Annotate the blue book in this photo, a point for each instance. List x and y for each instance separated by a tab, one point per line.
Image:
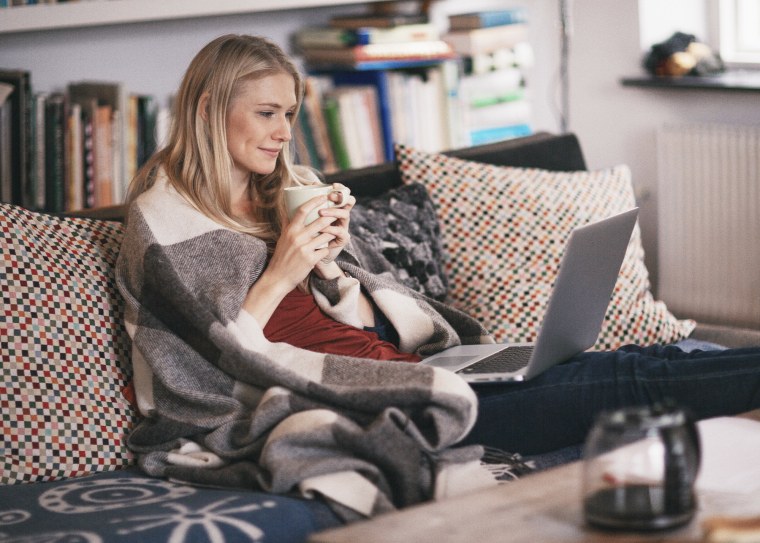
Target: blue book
486	19
490	135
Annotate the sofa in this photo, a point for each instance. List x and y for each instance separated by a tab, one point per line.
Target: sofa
65	392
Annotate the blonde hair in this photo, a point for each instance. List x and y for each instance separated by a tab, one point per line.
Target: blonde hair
196	160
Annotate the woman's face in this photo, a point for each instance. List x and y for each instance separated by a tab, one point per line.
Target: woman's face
258	124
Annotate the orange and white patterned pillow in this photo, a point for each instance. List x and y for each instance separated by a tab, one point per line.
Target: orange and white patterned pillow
504	231
64	374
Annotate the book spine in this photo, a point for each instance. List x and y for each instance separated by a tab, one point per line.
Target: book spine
147	122
313	106
398	34
486	19
74	151
379	80
103	126
332	117
6	173
325	37
38	178
54	151
306	152
486	40
88	157
490	135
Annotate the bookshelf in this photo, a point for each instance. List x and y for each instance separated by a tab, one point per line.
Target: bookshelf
46	17
116	42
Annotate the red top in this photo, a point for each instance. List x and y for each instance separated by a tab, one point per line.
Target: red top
298	321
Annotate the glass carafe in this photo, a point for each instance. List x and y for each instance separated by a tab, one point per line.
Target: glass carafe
640	465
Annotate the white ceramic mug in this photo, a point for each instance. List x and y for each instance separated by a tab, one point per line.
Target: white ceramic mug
295	197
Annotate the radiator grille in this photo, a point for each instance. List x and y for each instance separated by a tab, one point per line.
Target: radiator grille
709	221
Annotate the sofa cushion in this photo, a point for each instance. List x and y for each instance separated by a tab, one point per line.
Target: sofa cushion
399	232
504	230
65	352
127	505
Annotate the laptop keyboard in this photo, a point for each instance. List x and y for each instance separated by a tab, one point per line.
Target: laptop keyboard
505	361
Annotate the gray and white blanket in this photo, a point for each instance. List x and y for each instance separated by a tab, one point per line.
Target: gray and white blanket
224	406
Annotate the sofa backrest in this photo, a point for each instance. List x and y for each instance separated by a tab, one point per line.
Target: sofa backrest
541	150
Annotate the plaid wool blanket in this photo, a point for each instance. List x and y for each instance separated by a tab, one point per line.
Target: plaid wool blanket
223	406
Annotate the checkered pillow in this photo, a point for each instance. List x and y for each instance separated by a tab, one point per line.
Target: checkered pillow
65	362
505	229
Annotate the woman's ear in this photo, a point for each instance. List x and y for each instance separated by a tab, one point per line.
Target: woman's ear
203	106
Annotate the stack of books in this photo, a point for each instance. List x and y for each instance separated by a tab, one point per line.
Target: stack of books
376	80
371	42
74	149
351	119
495	51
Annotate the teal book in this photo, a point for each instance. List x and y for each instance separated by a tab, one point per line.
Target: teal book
486	19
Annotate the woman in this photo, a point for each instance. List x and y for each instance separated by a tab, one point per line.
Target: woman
248	331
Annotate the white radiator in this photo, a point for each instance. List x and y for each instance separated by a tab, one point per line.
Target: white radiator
709	222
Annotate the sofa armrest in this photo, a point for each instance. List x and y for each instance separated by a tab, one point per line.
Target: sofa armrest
728	336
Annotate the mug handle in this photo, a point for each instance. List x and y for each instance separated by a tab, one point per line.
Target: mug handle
344	192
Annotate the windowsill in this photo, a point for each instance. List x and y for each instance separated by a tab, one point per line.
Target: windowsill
732	80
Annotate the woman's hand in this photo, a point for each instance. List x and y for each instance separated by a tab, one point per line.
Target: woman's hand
339	228
298	250
301	246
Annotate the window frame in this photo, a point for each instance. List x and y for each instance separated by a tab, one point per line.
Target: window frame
738	46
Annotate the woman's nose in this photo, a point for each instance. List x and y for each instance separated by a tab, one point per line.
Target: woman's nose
284	130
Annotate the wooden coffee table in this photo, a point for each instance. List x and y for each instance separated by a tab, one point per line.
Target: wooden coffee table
542	507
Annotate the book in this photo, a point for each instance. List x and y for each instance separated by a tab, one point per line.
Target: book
55	152
37	177
21	135
132	130
103	126
306	152
111	95
492	87
500	114
379	80
359	124
488	18
486	40
335	131
87	107
326	37
147	129
75	159
377	20
387	52
314	88
6	149
499	133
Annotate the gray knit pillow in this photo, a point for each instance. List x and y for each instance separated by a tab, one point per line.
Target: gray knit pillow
399	232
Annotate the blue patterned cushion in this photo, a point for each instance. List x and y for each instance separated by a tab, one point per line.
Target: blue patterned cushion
129	506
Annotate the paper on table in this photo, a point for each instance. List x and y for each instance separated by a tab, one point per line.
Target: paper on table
730	458
730	455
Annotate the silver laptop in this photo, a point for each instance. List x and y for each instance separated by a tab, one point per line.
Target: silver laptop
574	315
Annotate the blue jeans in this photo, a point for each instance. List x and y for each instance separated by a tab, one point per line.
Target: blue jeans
557	409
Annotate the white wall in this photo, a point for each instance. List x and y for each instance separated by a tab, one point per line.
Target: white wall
615	124
618	124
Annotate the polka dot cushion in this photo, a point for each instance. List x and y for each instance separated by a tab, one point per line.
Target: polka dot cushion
64	408
504	230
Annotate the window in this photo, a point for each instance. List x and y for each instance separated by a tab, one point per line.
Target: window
739	31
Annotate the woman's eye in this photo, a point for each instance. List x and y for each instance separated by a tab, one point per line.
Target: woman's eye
290	114
267	114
